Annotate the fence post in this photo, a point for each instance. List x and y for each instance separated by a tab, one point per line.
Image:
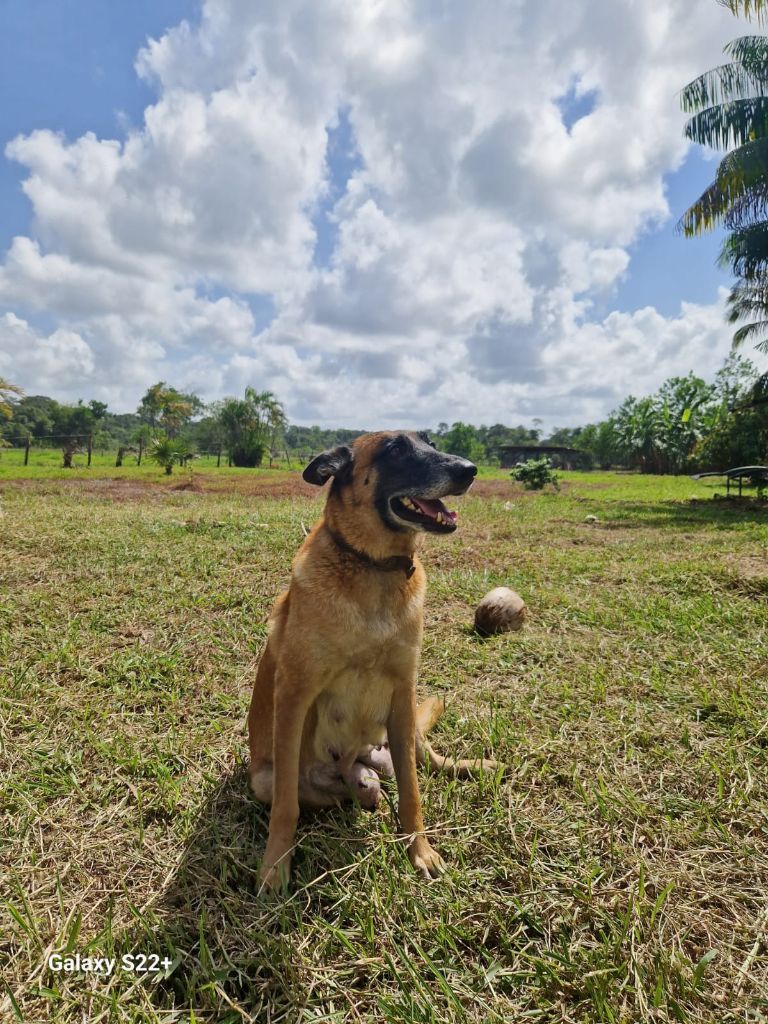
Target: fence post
141	449
218	458
26	451
90	448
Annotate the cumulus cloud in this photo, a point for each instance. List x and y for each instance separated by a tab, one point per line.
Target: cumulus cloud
25	353
470	236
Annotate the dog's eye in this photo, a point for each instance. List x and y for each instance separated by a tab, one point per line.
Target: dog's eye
398	447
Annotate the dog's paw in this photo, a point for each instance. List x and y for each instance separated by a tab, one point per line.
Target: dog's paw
275	878
426	861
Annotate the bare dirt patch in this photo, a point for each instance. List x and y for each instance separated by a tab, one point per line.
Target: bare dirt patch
110	488
282	485
751	568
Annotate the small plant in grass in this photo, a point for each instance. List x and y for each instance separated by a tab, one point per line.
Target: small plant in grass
535	474
167	452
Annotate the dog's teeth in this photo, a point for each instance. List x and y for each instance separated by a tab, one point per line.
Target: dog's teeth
439	517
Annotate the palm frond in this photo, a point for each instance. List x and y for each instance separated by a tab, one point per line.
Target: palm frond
752	332
740	79
745	252
748	300
739	174
749	207
730	124
750	49
757	9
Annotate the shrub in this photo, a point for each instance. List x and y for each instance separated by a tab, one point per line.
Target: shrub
248	455
166	452
535	474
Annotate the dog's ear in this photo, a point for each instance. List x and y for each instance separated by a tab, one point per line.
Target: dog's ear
335	462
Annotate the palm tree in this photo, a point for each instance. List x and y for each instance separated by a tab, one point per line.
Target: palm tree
167	451
729	107
7	393
250	424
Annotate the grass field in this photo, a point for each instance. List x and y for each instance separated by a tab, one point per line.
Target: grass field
618	873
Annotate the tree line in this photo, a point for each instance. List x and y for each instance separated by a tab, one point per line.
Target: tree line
169	425
689	424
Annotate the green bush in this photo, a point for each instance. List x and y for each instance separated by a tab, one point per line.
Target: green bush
167	452
535	474
248	456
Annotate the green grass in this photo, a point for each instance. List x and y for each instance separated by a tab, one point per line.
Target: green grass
618	873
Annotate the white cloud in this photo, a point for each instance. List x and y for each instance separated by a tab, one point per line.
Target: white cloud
472	238
48	360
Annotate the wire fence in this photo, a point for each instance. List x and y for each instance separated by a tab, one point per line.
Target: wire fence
82	449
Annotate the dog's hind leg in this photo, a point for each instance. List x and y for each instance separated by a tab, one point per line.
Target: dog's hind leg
427	713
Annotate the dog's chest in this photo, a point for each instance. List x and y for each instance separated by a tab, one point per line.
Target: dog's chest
379	650
352	715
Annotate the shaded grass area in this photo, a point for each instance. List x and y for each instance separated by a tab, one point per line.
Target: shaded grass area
618	873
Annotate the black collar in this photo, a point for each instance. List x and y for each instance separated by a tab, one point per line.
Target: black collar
403	563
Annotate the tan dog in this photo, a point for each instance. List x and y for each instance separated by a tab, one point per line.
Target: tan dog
335	690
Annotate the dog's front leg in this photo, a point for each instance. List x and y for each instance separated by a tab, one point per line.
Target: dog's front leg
292	702
401	729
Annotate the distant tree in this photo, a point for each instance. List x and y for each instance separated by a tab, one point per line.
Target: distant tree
32	415
99	409
567	437
601	443
8	395
462	440
176	411
142	438
636	425
683	415
164	407
737	428
151	405
72	424
735	378
493	437
207	433
249	425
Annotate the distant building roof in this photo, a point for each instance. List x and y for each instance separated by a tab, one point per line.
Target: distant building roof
540	448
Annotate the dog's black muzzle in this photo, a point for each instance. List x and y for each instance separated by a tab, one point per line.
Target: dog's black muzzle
413	477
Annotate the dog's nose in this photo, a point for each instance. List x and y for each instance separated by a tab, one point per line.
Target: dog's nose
465	470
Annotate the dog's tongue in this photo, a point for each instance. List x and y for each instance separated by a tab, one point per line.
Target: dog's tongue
433	507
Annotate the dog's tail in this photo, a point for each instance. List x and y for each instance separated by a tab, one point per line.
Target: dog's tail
427	713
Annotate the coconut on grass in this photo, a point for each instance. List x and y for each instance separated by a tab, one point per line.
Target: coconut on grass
500	611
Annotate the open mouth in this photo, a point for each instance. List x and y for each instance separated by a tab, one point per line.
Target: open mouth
429	513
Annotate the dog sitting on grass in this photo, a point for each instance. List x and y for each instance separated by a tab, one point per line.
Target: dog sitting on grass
334	700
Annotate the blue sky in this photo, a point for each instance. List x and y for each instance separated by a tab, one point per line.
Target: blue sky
298	311
70	67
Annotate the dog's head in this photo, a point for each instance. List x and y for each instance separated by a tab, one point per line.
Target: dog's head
400	475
